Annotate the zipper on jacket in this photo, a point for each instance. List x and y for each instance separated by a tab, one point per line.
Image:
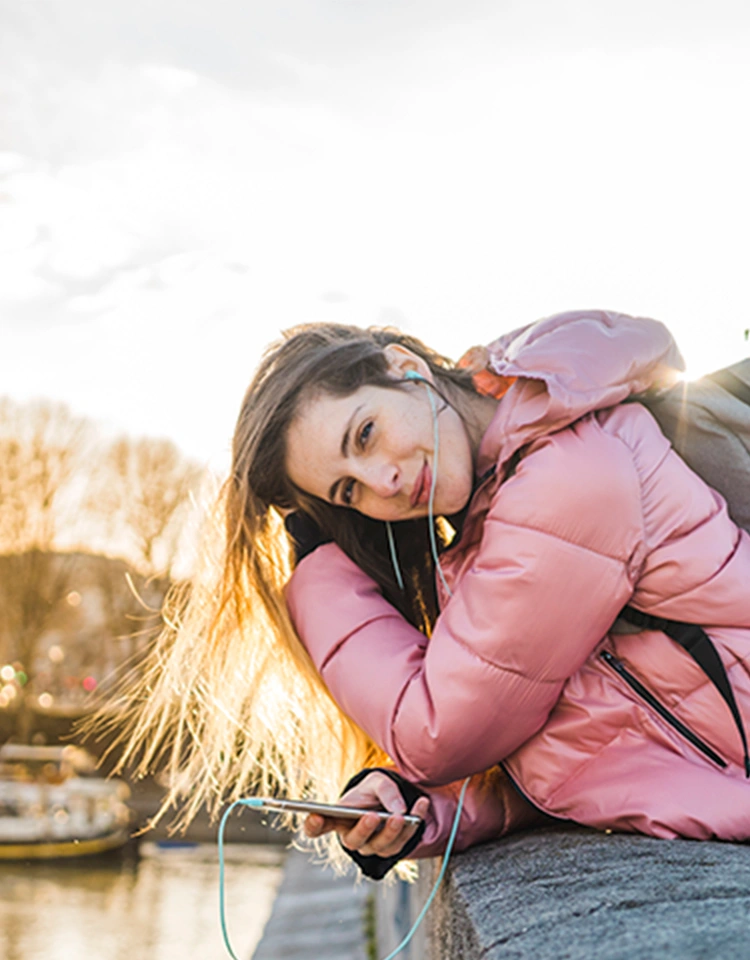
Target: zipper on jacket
659	707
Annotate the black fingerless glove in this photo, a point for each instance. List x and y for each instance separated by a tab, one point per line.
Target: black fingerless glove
305	533
373	866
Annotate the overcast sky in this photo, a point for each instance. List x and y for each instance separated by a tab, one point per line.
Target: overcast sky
181	180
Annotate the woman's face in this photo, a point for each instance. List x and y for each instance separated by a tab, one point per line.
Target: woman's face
374	451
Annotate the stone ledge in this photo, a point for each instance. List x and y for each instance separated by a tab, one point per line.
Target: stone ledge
574	894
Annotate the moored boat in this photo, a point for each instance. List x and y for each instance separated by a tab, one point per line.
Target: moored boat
53	805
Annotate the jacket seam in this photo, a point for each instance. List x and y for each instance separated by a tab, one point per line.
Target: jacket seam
548	533
399	755
334	650
657	466
499	666
705	583
635	574
459	641
584	765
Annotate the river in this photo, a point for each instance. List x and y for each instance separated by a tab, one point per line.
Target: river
163	905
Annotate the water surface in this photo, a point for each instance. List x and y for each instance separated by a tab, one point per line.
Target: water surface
162	906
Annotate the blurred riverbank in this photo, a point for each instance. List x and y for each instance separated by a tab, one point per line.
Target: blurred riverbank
245	826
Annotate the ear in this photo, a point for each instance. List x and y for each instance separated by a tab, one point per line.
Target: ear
401	360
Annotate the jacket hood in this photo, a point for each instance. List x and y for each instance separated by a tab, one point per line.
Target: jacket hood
568	365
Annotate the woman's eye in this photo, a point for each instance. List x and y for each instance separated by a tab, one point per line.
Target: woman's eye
347	487
347	490
364	433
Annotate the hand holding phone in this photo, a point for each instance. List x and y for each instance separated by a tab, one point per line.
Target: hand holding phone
383	826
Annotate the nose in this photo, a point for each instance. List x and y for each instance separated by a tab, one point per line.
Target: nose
383	479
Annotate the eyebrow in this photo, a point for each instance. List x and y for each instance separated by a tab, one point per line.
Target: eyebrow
344	451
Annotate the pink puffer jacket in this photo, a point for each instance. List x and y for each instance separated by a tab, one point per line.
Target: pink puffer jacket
522	666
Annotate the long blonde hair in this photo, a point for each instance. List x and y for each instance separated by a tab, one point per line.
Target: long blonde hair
229	701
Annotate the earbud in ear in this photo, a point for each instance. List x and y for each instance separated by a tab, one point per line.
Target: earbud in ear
413	375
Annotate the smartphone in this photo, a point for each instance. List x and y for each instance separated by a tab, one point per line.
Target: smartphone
333	810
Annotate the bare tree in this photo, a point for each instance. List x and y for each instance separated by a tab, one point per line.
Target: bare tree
63	499
145	491
41	447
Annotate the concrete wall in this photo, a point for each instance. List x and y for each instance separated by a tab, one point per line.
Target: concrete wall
570	893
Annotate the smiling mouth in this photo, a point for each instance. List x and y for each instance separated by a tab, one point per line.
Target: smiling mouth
421	492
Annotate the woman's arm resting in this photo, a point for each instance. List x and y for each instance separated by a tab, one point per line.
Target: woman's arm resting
492	808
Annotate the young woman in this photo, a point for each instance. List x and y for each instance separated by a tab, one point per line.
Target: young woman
498	655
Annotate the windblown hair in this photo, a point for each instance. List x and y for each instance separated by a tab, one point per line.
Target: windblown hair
230	702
